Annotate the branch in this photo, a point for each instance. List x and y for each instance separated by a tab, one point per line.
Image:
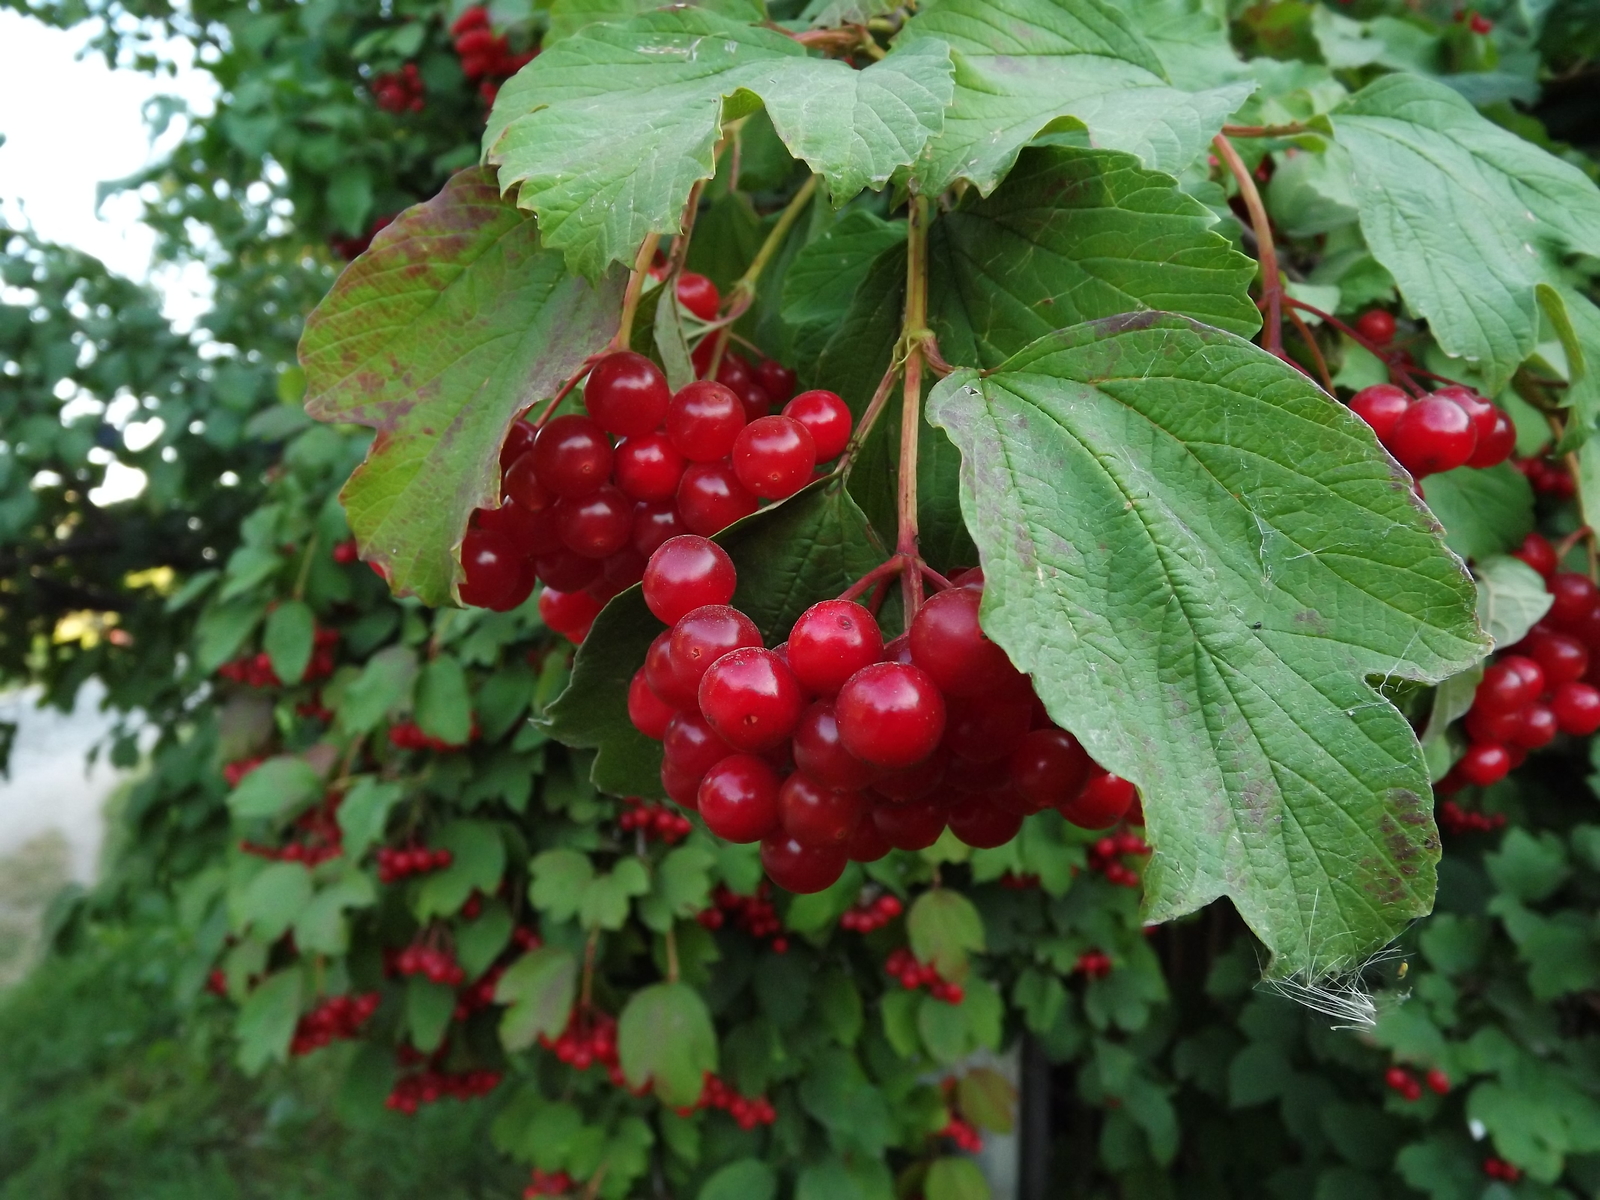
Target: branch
1266	252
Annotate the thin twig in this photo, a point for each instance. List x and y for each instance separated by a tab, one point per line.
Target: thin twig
1293	129
586	992
869	416
630	298
746	285
1266	252
672	956
572	381
913	330
1316	350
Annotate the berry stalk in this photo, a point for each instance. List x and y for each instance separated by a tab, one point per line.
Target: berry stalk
914	329
630	298
1266	251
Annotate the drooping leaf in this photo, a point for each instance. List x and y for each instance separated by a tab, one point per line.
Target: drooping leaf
322	927
267	1018
443	705
604	134
943	927
1190	37
539	988
743	1179
428	1009
364	812
480	940
821	282
1024	65
1483	511
557	880
279	787
665	1039
1429	166
287	639
1199	559
273	899
454	322
384	684
604	903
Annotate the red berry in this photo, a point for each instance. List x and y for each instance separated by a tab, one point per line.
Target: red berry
1577	708
596	525
867	843
521	483
686	573
622	570
750	697
1495	446
980	823
1487	725
493	571
572	456
1480	24
1562	658
915	825
691	745
626	394
890	714
1049	769
1509	684
519	440
648	466
1104	800
1575	596
773	457
1397	1079
830	642
1438	1081
913	782
1485	763
820	753
1377	326
656	522
1432	435
1380	406
987	728
815	815
703	421
757	403
826	417
799	868
947	643
569	572
738	798
1536	727
710	498
699	295
776	379
682	786
1475	406
704	635
648	712
568	613
663	679
1538	553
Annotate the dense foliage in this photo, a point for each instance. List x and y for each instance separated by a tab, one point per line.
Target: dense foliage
431	836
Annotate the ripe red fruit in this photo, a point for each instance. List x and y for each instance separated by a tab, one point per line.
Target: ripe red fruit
867	843
1495	446
1377	326
692	746
981	823
987	728
757	403
648	712
663	680
1438	1081
568	613
569	572
831	641
703	420
519	440
521	483
1474	405
750	697
1574	595
1049	769
648	466
802	869
815	815
776	379
820	753
1104	800
705	634
1509	684
1487	725
773	457
913	782
1432	435
596	525
915	825
621	570
1536	727
710	498
572	456
826	417
1380	406
948	643
1577	708
1562	658
1538	553
699	295
685	573
525	531
890	714
1484	763
626	394
656	522
738	798
493	571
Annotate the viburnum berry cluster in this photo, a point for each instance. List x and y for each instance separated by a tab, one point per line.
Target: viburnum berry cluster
582	512
1093	964
336	1017
401	862
1455	820
868	916
1547	476
963	1134
435	964
656	821
322	839
1106	856
256	670
548	1183
835	746
1405	1083
432	1084
747	1112
486	56
235	772
1453	427
590	1038
1498	1168
400	91
408	735
755	915
911	974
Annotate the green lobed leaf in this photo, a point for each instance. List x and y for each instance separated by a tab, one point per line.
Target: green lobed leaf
604	902
382	687
1190	37
364	812
1201	559
477	861
539	989
821	283
665	1039
605	134
267	1019
322	927
279	787
988	1099
288	638
557	880
429	1006
943	926
1428	167
272	901
480	940
743	1179
451	325
443	706
1484	511
1025	66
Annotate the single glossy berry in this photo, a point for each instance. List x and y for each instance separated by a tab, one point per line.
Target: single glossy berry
981	823
648	712
1438	1082
623	569
1562	658
757	403
691	745
1536	727
541	534
513	524
831	641
989	727
699	295
572	456
750	698
686	573
1377	326
710	498
519	440
914	782
647	466
947	643
867	843
1474	405
890	714
1432	435
777	379
1495	446
816	815
702	636
1577	708
1490	725
664	682
826	417
1103	801
566	571
799	868
493	570
1509	684
1049	768
1573	596
568	613
1538	553
626	394
773	457
682	787
596	525
655	522
820	753
521	483
704	419
1484	763
738	798
1380	406
915	825
735	371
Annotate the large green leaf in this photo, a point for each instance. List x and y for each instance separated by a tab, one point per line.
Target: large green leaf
1463	214
1202	560
454	322
665	1038
604	134
820	284
1023	65
1190	37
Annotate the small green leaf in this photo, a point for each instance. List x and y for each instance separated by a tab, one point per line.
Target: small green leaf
539	988
943	927
443	708
681	886
222	630
383	686
745	1179
480	940
604	903
321	928
477	861
279	787
1511	597
955	1179
557	880
288	639
267	1019
987	1099
1528	867
273	900
665	1038
428	1009
364	812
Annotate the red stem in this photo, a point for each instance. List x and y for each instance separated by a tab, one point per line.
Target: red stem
554	402
1266	252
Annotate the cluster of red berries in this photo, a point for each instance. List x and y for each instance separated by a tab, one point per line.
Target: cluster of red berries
255	670
1455	820
867	916
1106	856
548	1183
235	771
399	91
835	746
903	965
336	1017
486	57
400	862
322	837
477	995
1377	325
655	821
1094	964
1453	427
584	514
408	735
1398	1079
1024	882
755	915
589	1038
747	1112
349	248
428	1085
1547	477
1498	1168
439	966
964	1134
1474	21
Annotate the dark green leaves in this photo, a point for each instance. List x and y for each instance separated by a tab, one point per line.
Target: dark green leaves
1199	558
665	1039
454	322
